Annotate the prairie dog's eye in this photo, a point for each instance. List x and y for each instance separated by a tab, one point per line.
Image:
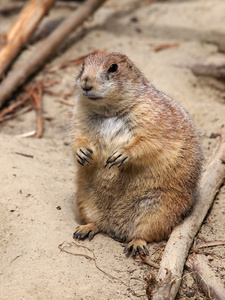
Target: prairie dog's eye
113	68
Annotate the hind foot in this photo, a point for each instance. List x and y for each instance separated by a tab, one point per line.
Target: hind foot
136	246
83	231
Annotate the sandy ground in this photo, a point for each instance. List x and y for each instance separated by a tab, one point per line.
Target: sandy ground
37	191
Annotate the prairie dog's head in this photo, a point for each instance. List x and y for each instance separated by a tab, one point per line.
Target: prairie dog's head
108	79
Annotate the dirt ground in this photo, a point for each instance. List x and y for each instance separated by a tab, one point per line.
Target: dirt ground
37	191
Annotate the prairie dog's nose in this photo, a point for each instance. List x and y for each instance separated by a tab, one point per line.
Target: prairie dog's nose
86	83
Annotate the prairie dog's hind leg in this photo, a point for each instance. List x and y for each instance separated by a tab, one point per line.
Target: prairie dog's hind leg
136	246
83	231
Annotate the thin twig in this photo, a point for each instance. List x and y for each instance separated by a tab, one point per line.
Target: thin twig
69	103
26	134
23	154
165	47
37	103
149	262
16	114
94	258
15	105
70	63
12	111
210	244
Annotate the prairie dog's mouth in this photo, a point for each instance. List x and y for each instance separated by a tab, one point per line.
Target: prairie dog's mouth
94	98
91	95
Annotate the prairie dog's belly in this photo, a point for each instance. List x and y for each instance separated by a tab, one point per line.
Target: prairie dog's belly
114	201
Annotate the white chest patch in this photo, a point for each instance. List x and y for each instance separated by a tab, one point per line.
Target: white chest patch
112	127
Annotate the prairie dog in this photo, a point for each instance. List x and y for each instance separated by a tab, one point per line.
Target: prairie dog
137	152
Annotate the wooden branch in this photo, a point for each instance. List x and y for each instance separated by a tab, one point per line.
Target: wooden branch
69	103
11	8
21	30
181	238
212	66
148	261
46	49
211	285
37	103
44	30
71	63
14	7
14	106
33	92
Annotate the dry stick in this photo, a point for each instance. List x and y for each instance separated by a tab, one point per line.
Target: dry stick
180	241
38	107
62	249
67	102
21	30
149	262
44	29
11	8
210	244
212	66
11	111
165	46
15	114
26	134
46	49
14	106
71	63
211	285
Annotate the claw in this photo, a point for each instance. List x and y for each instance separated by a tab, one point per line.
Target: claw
125	249
145	250
77	235
136	246
87	161
87	154
83	231
80	163
113	164
122	162
134	251
90	235
140	250
108	161
113	161
83	156
90	150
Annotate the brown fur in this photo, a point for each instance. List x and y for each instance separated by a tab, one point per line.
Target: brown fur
121	113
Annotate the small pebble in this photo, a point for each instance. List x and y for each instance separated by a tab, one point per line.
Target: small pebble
213	135
134	19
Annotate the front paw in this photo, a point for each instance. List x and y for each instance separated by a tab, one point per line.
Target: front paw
83	156
118	158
